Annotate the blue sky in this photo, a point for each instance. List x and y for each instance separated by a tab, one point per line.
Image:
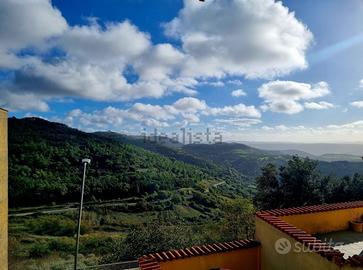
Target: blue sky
254	70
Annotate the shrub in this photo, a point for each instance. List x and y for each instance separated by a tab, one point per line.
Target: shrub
63	244
55	225
39	249
94	244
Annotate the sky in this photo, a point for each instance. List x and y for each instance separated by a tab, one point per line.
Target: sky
251	70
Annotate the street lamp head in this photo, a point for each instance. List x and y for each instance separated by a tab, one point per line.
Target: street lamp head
86	160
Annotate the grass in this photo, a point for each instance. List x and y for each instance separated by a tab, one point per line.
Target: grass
46	241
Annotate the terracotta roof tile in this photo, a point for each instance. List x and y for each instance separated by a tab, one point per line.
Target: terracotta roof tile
152	260
310	209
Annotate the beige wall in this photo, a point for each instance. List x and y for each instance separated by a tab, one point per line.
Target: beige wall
323	222
3	190
295	259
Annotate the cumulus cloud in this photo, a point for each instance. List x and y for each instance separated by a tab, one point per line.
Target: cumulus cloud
21	102
116	61
321	105
235	82
92	44
213	83
24	24
285	106
234	110
357	104
96	60
330	133
190	105
240	122
284	96
258	38
238	93
160	63
185	110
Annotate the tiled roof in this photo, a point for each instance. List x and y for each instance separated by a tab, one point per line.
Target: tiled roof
316	245
314	208
151	261
149	264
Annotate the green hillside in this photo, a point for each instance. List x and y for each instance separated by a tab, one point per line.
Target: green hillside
44	166
239	161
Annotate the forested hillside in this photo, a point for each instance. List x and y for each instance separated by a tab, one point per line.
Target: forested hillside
44	166
239	160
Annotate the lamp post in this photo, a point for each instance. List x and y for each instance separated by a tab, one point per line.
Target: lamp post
85	161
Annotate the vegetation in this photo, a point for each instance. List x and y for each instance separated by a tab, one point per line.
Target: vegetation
144	197
118	236
300	183
44	166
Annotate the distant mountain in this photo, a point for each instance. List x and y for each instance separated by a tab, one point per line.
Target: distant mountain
340	157
293	152
179	152
243	160
316	149
325	157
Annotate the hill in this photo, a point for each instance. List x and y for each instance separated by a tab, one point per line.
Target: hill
316	149
44	166
181	152
243	161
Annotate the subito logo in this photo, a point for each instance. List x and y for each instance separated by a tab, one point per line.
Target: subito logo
282	246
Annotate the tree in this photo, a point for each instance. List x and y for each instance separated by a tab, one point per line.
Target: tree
149	238
237	219
268	189
300	182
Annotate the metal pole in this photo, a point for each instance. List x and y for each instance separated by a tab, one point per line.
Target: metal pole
85	162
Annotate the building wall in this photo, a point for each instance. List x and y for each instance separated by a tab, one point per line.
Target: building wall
323	222
3	190
243	259
296	259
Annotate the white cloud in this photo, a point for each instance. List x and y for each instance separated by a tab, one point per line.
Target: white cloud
240	122
283	106
92	44
357	104
284	96
331	133
321	105
238	93
21	102
361	83
190	105
185	110
24	24
259	38
235	82
212	83
351	125
153	111
118	62
96	62
240	110
159	62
